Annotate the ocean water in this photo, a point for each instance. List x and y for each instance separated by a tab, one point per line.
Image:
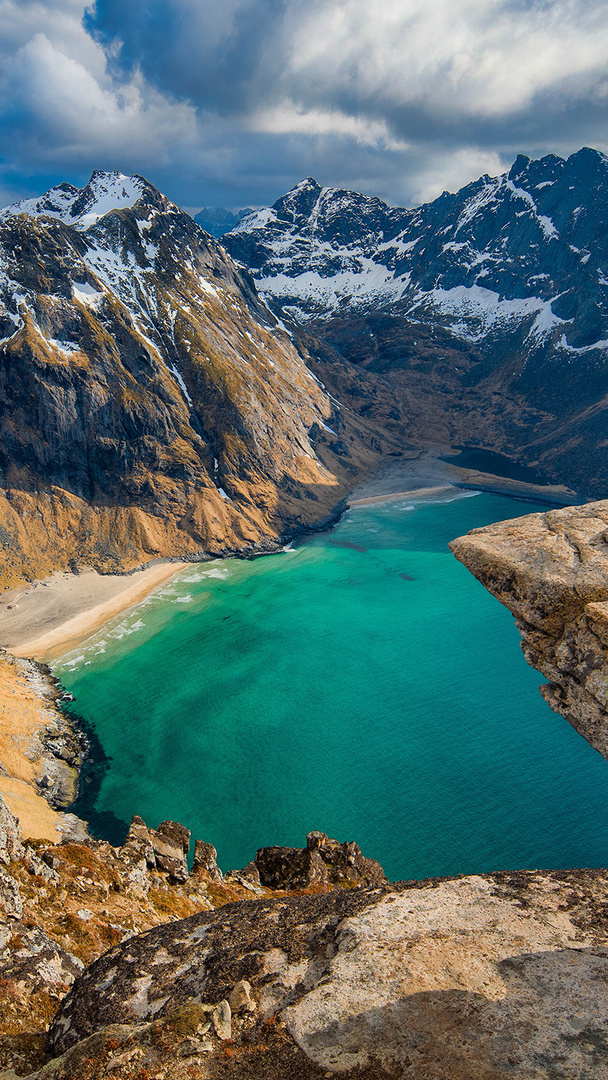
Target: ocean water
363	684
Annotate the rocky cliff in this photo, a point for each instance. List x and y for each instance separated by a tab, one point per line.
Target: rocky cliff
149	401
307	963
551	571
64	904
480	318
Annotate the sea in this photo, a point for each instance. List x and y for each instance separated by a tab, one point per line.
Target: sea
361	683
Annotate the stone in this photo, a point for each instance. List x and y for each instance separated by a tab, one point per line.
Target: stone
322	862
475	978
11	903
205	861
33	959
222	1020
241	998
175	832
169	846
11	845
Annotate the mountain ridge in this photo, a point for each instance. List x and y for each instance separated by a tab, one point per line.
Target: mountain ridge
486	310
150	403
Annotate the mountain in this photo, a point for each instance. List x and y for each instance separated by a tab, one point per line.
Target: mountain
149	401
487	310
217	221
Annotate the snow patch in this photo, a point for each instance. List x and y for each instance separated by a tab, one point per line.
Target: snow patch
87	295
545	222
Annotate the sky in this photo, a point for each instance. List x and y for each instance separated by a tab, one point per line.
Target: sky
232	102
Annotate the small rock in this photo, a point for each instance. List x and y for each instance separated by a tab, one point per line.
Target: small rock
222	1020
10	896
241	998
11	846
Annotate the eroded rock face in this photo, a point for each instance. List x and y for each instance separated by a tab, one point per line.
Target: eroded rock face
323	861
551	571
475	978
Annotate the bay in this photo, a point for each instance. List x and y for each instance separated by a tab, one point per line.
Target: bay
363	684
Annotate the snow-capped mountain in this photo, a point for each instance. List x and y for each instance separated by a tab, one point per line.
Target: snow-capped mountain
531	244
498	292
149	401
83	207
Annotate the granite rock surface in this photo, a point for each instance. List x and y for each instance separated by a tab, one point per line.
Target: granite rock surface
479	978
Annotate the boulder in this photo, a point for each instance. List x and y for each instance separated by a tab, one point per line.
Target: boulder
11	845
476	978
205	861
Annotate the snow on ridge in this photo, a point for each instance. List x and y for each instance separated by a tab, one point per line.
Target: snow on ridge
103	193
87	295
485	306
258	219
545	222
477	203
369	279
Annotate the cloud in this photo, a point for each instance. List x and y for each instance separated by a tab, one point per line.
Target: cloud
61	106
243	98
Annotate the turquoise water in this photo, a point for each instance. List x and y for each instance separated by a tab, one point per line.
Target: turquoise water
364	684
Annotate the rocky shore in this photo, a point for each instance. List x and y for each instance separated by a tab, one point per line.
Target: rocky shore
41	751
551	571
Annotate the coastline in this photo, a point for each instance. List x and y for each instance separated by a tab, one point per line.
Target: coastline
53	616
47	619
422	473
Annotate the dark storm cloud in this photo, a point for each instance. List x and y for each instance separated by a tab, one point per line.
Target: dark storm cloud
216	55
234	102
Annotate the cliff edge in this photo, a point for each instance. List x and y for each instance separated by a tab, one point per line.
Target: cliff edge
551	571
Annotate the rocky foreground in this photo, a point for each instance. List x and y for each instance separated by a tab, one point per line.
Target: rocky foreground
324	969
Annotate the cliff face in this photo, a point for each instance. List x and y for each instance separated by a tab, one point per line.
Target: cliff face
551	571
149	402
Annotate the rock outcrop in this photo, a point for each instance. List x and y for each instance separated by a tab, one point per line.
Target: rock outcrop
322	862
62	905
478	978
551	571
41	750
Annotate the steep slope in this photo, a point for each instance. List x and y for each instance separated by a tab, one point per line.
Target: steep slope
149	402
487	310
551	571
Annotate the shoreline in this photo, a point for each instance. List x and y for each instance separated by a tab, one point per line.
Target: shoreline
424	473
53	616
49	618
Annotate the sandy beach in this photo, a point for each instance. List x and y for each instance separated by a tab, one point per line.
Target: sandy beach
53	616
48	618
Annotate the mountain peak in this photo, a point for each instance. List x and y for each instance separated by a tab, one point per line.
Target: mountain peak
299	201
83	207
